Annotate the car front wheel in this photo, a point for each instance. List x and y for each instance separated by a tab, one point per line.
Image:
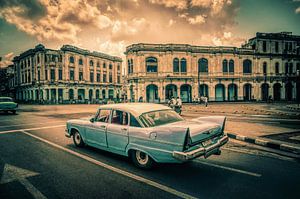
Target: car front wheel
141	159
77	139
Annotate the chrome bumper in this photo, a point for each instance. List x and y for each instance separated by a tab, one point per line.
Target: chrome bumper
67	133
206	151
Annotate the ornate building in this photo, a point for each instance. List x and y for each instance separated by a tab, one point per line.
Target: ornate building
265	67
67	75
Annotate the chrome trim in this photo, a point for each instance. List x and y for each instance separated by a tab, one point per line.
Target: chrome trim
206	151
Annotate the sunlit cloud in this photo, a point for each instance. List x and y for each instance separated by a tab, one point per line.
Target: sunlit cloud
7	60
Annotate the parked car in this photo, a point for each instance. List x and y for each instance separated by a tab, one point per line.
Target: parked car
7	104
149	133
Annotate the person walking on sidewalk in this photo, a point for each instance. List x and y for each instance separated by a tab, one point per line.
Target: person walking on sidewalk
205	101
178	105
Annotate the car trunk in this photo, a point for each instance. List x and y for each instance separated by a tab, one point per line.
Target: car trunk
7	105
199	131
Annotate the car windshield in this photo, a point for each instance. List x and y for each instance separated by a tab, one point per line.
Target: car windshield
162	117
5	100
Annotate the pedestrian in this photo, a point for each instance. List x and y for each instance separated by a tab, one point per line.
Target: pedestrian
178	105
205	101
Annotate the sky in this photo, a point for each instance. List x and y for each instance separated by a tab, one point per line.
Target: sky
109	26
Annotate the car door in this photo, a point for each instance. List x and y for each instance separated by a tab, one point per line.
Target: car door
96	132
117	130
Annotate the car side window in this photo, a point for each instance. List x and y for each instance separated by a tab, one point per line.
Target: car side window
119	117
134	122
103	115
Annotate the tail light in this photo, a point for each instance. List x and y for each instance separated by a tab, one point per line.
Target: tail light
187	140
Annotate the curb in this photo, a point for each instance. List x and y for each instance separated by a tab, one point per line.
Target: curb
264	143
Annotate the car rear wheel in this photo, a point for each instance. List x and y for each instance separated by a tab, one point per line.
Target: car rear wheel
141	159
14	112
77	139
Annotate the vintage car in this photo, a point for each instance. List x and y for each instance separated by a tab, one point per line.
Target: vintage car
7	104
149	133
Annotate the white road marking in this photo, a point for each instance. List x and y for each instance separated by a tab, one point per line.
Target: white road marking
31	129
114	169
230	169
26	124
12	173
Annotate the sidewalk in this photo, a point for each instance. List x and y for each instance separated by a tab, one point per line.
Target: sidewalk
268	125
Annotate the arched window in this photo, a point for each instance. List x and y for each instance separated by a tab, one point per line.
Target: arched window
225	66
247	66
151	65
98	64
80	62
276	68
231	66
183	65
91	63
71	60
175	65
265	68
203	65
110	66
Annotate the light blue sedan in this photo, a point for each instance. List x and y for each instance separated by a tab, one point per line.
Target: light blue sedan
149	133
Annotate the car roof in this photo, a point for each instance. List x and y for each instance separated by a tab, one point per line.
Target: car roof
136	109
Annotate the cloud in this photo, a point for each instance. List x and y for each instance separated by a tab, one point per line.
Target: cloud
7	60
178	4
214	6
199	19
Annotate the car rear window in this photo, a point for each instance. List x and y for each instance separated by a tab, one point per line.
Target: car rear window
157	118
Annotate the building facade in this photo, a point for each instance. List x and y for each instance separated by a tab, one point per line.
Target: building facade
67	75
266	67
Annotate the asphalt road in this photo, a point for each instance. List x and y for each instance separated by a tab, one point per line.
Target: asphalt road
38	161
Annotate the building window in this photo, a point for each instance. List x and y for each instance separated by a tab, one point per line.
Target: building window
276	46
80	76
104	78
80	62
92	77
38	59
118	79
183	65
98	64
231	66
203	65
110	78
91	63
104	65
286	68
247	66
291	67
39	75
72	75
298	68
98	77
264	46
71	60
225	66
276	68
131	65
46	74
110	66
118	67
151	65
265	68
175	65
60	74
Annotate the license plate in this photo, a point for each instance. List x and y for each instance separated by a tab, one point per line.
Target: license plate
206	143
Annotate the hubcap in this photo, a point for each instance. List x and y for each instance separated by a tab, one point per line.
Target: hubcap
77	138
142	157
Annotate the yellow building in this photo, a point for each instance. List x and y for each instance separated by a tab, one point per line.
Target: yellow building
67	75
265	67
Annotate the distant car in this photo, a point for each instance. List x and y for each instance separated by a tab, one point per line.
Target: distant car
7	104
149	133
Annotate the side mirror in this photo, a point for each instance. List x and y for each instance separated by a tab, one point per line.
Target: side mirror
92	120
